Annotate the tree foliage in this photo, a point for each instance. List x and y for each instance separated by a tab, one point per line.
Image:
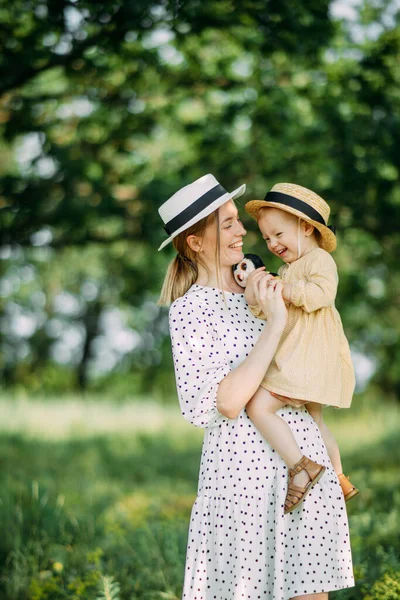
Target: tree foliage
107	108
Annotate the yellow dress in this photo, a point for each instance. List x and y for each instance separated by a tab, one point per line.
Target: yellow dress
313	360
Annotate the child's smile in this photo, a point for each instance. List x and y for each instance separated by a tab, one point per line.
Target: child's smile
282	233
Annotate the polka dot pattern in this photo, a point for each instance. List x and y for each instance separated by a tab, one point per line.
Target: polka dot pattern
240	543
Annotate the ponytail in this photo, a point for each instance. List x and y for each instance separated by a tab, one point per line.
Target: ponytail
183	271
181	275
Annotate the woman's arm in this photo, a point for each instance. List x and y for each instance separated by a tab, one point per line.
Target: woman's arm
236	389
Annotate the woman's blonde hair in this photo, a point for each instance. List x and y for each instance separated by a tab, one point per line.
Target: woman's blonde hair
183	270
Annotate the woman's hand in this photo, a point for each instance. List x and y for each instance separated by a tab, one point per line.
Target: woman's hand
291	401
252	282
268	293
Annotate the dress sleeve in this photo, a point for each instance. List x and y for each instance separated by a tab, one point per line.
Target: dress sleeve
200	361
257	311
317	289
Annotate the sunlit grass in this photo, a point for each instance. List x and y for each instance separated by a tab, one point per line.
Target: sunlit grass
92	490
367	421
66	418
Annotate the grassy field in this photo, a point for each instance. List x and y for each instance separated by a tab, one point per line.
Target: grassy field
92	491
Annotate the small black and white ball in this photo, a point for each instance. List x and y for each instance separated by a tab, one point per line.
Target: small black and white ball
248	264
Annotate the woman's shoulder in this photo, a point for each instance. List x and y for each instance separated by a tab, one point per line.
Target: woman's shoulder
192	315
196	300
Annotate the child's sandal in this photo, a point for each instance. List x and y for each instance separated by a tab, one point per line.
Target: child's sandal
295	495
349	490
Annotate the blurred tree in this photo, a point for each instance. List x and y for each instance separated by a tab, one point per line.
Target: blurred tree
107	108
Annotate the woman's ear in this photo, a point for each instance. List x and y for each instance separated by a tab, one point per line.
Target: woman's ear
194	242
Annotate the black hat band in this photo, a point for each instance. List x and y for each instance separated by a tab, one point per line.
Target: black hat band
194	209
299	205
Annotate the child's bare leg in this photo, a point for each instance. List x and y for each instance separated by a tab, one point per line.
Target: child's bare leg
315	411
261	409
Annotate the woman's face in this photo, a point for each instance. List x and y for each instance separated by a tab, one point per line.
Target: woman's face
231	232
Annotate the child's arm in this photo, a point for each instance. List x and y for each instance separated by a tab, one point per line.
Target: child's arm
287	292
319	286
257	311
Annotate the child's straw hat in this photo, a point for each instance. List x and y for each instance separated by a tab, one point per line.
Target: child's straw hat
301	202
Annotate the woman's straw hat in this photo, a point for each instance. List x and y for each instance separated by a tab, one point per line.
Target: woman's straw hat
192	203
301	202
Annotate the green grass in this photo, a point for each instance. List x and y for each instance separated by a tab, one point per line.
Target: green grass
90	493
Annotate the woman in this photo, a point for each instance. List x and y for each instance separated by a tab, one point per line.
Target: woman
241	545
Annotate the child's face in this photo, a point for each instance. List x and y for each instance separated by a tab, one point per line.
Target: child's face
279	230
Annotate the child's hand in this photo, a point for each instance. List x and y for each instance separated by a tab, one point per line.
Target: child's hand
252	285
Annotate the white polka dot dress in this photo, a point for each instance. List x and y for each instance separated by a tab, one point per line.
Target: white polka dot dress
240	543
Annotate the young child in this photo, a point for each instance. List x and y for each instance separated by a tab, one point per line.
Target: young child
313	360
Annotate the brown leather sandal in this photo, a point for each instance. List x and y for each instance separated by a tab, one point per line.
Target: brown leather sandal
295	495
349	490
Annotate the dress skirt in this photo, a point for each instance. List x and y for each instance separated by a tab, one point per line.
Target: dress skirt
242	546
